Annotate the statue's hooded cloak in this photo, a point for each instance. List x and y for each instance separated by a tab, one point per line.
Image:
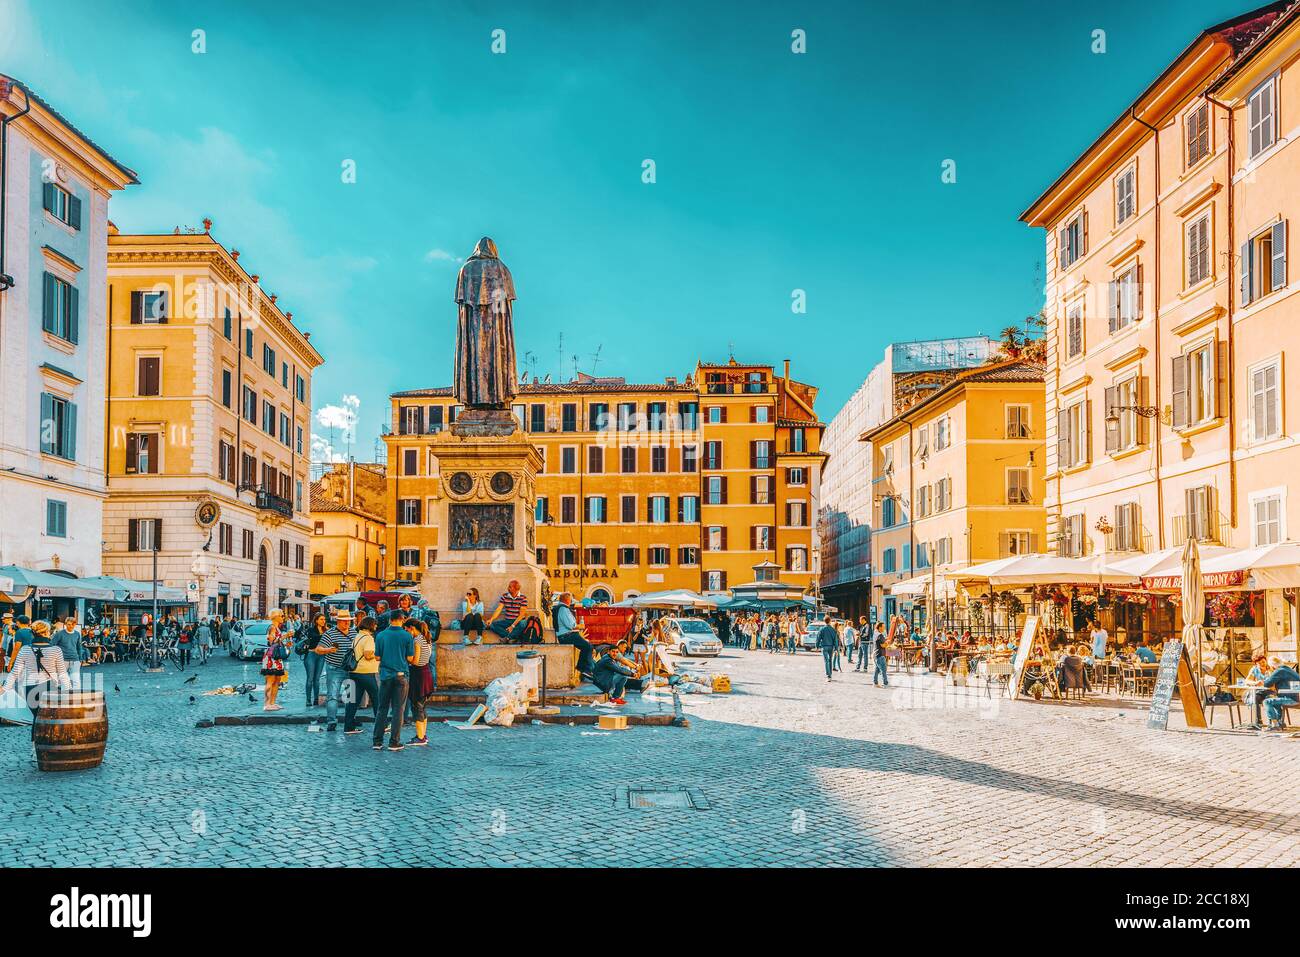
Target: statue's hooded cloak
484	374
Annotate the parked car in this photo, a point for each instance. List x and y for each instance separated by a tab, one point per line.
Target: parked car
692	636
249	640
808	637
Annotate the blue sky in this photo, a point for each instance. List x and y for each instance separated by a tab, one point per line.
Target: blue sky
775	171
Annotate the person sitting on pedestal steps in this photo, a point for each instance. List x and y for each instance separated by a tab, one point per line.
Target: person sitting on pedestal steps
614	672
471	617
569	632
510	617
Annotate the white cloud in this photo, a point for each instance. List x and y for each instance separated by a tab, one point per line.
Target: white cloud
440	256
322	451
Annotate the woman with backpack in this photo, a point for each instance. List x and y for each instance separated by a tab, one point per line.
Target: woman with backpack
185	644
275	660
36	667
364	667
313	664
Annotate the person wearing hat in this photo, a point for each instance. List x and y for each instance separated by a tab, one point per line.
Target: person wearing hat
7	629
334	646
37	665
22	636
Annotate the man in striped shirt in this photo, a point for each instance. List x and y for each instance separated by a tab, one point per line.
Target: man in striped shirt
335	645
511	614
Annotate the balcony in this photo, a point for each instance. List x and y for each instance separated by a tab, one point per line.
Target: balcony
268	501
1205	527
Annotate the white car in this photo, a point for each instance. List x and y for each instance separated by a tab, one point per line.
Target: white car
808	638
692	636
250	640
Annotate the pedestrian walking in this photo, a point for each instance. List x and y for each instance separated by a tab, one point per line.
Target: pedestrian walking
274	660
422	678
864	645
880	654
203	641
67	638
395	649
312	663
335	649
828	640
37	665
184	645
227	626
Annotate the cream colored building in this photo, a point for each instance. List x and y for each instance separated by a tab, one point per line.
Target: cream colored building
348	509
209	418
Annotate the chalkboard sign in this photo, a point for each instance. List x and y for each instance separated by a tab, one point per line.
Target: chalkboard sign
1023	651
1175	672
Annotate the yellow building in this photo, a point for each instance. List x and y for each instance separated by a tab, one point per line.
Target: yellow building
680	484
958	478
209	410
348	509
1167	296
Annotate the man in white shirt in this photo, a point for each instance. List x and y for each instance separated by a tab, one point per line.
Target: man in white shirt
1099	639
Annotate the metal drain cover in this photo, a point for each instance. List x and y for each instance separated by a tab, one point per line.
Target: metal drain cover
655	798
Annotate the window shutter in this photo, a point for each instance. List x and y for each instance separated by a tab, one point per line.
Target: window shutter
47	197
753	538
1113	292
724	538
753	455
133	535
1085	432
1137	312
1061	248
1279	255
1221	379
47	303
1179	385
753	490
164	307
70	431
1247	257
74	314
74	211
1112	422
157	534
1142	399
132	452
137	307
724	490
1083	240
1063	438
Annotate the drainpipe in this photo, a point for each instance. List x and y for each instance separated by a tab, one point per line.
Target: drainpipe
6	280
1156	421
1232	343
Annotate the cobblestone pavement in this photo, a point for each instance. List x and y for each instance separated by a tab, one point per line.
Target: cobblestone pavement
786	770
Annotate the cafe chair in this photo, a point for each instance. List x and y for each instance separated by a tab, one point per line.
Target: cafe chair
997	671
1231	704
1074	676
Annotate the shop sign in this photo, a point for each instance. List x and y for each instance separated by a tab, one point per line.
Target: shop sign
581	572
1231	579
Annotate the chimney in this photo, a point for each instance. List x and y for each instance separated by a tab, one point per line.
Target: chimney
787	370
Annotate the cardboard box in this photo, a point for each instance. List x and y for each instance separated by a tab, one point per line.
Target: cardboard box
721	683
612	722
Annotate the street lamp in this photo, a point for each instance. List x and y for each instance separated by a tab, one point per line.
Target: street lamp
383	564
1146	411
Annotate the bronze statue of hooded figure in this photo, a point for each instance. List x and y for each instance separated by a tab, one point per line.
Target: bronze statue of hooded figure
485	376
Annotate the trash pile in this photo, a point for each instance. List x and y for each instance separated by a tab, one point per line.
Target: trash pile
231	689
507	697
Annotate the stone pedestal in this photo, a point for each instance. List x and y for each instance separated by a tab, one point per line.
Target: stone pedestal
485	516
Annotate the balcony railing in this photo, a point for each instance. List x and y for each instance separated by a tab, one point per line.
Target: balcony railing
1208	527
269	501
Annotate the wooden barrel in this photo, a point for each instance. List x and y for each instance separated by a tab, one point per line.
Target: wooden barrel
71	730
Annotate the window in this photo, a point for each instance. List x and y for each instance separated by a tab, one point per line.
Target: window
317	563
268	418
716	490
227	387
1125	429
796	477
596	509
760	489
627	416
410	461
569	417
1198	250
923	499
541	511
887	459
627	459
1128	528
1261	111
1072	239
888	560
318	528
1202	516
1125	194
142	453
760	454
798	440
300	388
923	440
250	405
284	374
541	555
1072	540
1125	298
943	495
58	427
268	360
629	555
922	555
715	538
248	343
1197	124
411	420
568	556
688	509
1266	517
1263	263
226	462
60	311
1195	387
658	458
715	414
537	417
408	511
761	538
299	556
435	419
569	460
568	509
298	437
796	559
760	413
942	433
1017	421
888	512
247	543
657	509
688	555
1072	447
690	458
286	430
148	376
144	534
248	471
689	412
1265	401
796	514
657	556
595	556
713	455
225	539
61	204
715	580
56	518
1074	330
627	509
595	459
598	416
1018	486
657	415
408	558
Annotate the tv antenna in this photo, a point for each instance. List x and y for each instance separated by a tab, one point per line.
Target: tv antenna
559	371
595	358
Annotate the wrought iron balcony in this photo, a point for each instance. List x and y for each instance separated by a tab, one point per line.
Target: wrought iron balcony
269	501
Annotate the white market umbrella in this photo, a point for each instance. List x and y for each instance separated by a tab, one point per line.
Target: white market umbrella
1022	571
1193	596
